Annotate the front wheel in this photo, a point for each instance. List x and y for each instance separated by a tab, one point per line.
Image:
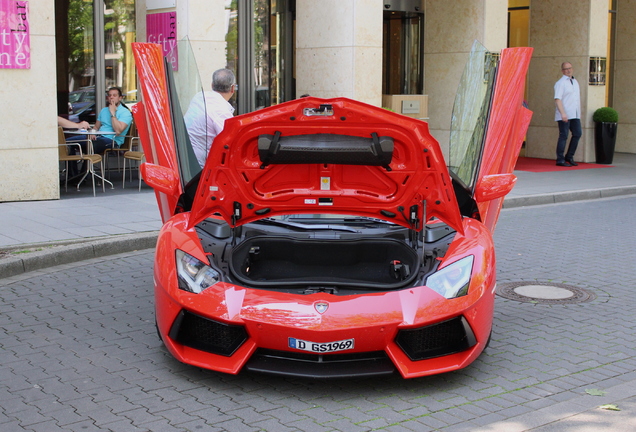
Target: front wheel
487	342
158	332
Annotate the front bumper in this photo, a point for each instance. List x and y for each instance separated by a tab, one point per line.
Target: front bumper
422	349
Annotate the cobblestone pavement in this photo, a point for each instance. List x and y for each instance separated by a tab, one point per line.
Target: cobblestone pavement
80	351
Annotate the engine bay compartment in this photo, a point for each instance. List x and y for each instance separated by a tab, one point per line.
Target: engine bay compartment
341	256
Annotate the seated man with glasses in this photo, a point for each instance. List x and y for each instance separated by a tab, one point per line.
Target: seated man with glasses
115	117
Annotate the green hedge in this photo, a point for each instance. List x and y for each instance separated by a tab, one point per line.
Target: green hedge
605	115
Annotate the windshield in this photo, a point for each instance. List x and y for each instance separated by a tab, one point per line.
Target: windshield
185	89
74	97
470	115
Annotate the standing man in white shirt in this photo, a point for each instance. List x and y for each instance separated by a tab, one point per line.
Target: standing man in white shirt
567	98
208	111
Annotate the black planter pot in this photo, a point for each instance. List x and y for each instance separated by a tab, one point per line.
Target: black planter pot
605	141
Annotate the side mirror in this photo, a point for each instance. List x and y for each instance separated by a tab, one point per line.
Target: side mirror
161	179
494	186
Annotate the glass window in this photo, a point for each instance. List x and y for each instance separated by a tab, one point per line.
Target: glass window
80	68
470	115
231	46
281	86
262	52
90	60
119	33
403	42
186	88
258	49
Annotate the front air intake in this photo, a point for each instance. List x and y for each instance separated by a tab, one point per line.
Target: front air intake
448	337
207	335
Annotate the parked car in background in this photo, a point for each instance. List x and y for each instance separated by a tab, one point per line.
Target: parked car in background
82	102
79	99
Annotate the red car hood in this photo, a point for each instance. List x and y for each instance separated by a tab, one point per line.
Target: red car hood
350	158
344	158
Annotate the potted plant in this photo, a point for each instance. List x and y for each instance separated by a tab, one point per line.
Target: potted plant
606	120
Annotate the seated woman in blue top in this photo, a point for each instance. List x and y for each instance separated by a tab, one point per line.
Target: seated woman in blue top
115	117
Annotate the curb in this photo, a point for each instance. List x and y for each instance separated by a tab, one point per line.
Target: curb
561	197
43	255
30	257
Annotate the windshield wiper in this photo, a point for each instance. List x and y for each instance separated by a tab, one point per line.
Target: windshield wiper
368	221
302	226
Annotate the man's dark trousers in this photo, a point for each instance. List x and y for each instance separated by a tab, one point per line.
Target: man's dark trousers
573	125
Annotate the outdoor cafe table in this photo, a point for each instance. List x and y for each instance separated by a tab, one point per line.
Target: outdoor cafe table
87	132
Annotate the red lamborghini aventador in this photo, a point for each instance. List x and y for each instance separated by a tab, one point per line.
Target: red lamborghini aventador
329	237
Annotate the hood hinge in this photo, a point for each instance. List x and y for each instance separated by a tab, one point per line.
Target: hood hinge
416	233
414	221
236	215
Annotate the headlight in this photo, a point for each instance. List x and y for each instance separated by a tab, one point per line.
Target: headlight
194	275
453	280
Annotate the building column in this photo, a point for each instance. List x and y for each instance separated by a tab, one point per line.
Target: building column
339	49
450	29
624	80
28	148
560	31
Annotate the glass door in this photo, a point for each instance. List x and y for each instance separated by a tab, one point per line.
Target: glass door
403	49
76	59
262	73
259	37
281	86
95	36
119	33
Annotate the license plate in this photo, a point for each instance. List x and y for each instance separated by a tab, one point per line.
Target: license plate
321	347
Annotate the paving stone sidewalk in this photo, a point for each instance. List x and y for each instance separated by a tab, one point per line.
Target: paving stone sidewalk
80	352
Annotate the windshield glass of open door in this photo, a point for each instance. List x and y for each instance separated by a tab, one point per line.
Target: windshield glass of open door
470	115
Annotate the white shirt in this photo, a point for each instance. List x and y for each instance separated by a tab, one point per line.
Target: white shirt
205	121
567	89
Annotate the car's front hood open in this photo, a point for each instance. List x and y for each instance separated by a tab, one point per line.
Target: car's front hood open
335	156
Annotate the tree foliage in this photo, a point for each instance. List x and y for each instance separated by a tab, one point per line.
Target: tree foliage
119	19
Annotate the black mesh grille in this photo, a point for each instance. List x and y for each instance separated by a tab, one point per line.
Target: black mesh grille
322	358
437	340
207	335
309	365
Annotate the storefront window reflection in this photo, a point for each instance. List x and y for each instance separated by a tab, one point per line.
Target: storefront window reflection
231	44
97	40
119	33
403	45
95	61
262	53
81	60
249	20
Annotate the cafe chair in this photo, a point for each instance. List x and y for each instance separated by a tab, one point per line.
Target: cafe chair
66	157
130	140
133	156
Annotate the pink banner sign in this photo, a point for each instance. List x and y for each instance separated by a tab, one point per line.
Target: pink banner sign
15	43
161	28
